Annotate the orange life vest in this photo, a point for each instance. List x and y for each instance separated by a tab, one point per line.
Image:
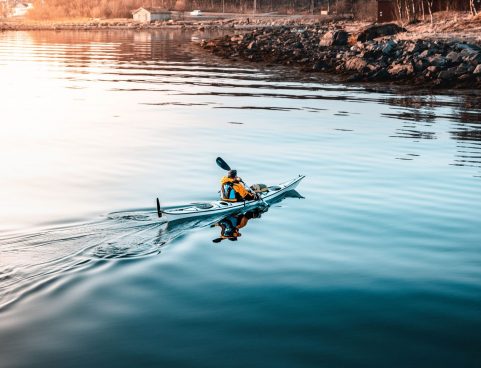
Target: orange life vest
229	188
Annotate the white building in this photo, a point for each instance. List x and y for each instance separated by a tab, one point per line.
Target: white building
21	9
146	15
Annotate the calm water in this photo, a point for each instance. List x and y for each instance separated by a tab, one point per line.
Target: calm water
379	265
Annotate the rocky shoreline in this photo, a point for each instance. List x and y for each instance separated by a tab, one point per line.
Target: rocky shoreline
240	22
100	25
375	54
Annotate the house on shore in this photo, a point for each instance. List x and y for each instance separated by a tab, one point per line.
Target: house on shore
146	15
21	9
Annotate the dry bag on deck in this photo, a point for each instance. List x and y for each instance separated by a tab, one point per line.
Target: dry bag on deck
259	188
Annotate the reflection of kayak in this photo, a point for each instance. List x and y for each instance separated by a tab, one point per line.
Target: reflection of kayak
171	230
223	207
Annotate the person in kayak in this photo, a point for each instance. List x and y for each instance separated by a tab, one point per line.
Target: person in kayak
234	190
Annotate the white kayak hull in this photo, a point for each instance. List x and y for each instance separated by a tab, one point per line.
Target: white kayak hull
223	207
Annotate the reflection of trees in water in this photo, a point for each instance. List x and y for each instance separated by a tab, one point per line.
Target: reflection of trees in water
129	53
420	113
467	134
116	45
417	113
468	137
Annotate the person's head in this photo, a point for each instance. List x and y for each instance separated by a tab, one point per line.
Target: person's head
232	174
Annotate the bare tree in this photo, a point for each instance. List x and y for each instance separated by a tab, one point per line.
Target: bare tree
399	8
430	9
472	7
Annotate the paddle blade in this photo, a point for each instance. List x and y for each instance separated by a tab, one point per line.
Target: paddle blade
159	212
222	164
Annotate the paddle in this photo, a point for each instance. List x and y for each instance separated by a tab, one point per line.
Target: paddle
159	212
222	164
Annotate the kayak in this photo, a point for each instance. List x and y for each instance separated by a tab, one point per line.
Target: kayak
223	207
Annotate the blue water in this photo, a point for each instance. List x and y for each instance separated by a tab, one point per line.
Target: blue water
379	265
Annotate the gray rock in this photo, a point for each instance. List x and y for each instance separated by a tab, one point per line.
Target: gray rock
420	65
475	59
447	74
426	53
334	38
437	60
477	70
454	57
462	69
467	48
389	47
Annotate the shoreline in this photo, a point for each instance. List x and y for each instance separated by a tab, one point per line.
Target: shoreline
385	53
212	22
447	25
444	55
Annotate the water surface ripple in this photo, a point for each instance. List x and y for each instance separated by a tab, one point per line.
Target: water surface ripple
379	265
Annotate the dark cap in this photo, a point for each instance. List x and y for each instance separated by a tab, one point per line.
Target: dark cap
232	173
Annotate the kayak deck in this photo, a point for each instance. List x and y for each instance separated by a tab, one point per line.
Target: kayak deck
221	207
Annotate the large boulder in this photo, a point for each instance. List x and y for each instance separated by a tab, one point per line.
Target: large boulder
334	38
372	32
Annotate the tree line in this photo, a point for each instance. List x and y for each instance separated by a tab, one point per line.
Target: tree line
408	10
49	9
411	11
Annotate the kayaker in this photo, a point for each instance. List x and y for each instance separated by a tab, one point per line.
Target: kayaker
234	190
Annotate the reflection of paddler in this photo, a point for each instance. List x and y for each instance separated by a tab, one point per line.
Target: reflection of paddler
231	225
